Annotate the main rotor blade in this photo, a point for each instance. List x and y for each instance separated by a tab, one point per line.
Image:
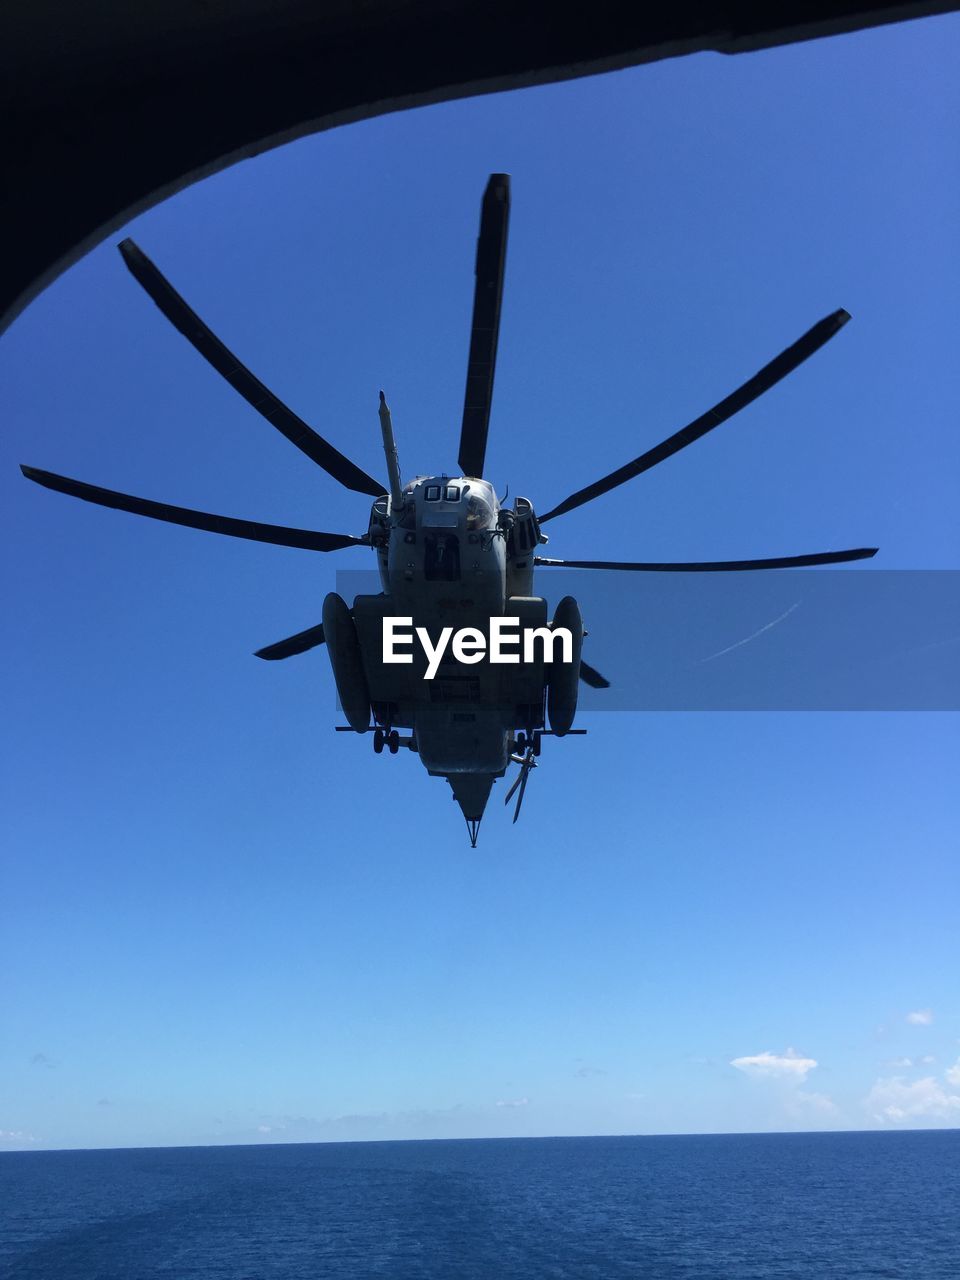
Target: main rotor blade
768	376
713	566
592	677
241	379
252	529
299	643
487	294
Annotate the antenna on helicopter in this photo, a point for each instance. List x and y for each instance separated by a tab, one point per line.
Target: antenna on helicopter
390	452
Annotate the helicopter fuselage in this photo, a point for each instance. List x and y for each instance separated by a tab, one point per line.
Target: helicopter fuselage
451	557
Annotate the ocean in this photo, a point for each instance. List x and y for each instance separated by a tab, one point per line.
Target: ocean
743	1207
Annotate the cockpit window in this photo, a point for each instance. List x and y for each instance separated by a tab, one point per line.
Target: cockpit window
433	493
479	512
452	493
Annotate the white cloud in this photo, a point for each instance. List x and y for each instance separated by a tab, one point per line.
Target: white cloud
899	1064
16	1135
920	1017
516	1102
785	1066
821	1103
895	1100
449	1122
952	1074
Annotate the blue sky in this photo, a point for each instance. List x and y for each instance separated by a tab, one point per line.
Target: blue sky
222	922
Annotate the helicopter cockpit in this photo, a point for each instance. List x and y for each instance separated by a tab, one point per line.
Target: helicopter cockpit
445	517
444	502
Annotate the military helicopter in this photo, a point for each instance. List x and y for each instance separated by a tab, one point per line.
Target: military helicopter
447	550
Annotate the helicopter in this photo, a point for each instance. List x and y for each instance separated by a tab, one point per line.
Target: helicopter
448	551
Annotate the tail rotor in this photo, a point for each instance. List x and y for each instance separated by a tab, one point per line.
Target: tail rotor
526	762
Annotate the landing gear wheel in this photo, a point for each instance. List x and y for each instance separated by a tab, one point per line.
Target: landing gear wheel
520	745
378	741
393	741
536	743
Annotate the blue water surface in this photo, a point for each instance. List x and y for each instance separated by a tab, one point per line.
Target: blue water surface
747	1207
